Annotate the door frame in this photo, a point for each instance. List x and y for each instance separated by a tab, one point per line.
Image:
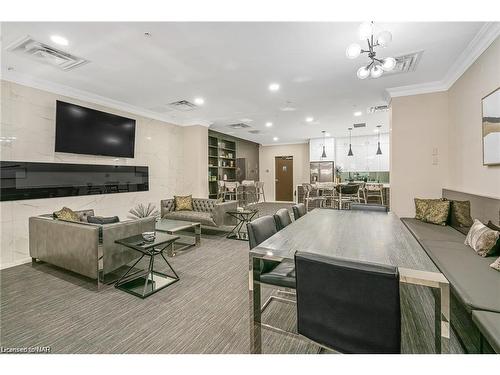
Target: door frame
274	178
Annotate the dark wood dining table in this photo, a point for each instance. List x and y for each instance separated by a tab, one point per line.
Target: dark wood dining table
376	237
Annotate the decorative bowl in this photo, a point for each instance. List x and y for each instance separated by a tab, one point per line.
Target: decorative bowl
148	236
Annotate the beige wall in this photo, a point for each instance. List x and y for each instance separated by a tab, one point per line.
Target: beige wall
29	115
467	172
195	161
436	139
419	149
300	153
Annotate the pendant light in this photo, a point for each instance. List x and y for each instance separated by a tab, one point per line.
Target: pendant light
323	155
379	151
350	153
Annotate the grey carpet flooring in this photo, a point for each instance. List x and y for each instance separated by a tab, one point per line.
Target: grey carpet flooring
205	312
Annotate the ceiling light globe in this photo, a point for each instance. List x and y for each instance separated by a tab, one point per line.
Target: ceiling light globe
269	124
389	64
274	87
384	38
365	30
353	51
376	71
363	72
199	101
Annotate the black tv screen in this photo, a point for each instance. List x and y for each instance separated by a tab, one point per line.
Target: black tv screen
81	130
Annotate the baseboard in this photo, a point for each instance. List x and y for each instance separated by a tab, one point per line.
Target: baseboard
16	263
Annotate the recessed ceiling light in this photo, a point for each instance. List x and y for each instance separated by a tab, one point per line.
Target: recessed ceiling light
199	101
309	119
357	113
269	124
327	134
274	87
275	139
59	40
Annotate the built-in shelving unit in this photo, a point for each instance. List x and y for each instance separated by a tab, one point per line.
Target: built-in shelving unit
221	161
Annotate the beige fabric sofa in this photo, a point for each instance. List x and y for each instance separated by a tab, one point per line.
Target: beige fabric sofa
208	212
87	249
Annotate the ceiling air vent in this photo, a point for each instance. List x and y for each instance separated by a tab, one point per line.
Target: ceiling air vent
360	125
44	53
406	63
183	105
240	125
256	131
378	108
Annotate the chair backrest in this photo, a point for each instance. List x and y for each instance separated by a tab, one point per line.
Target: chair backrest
299	210
248	183
351	307
348	189
259	185
374	187
282	218
231	186
368	207
260	230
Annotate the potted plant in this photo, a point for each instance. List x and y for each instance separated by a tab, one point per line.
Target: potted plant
338	172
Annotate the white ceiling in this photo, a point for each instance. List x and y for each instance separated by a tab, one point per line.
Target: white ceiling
231	65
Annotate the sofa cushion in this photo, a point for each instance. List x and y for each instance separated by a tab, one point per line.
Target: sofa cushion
437	212
460	215
424	231
103	220
422	205
482	239
183	203
205	218
66	214
471	277
489	325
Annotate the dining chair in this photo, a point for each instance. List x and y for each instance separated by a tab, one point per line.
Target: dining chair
368	207
308	188
299	210
282	218
327	191
220	189
249	191
259	186
275	274
346	194
359	312
375	191
231	190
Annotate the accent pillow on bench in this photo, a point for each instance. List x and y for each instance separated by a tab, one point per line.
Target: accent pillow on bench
434	211
482	239
103	220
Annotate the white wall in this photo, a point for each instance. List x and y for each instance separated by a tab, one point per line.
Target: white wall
365	158
419	149
467	172
300	153
29	115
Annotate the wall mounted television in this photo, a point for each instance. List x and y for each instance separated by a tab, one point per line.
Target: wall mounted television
81	130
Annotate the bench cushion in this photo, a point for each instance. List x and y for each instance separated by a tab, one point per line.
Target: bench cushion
204	218
474	282
489	325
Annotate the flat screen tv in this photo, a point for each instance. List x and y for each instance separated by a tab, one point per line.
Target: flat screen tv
81	130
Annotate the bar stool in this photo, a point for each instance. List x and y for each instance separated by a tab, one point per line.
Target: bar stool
259	187
308	198
231	190
376	191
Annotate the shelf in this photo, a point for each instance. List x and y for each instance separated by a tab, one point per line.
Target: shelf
223	157
227	149
228	167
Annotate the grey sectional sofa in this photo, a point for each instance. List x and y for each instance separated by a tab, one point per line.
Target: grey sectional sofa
208	212
473	282
87	249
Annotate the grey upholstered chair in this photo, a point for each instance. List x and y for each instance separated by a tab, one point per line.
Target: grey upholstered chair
282	218
359	311
368	207
299	210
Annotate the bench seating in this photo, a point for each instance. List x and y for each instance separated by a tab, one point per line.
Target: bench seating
489	324
473	282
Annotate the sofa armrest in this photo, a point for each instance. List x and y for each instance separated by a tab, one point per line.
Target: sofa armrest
219	213
167	205
69	245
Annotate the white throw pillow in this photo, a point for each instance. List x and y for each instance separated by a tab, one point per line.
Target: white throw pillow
481	238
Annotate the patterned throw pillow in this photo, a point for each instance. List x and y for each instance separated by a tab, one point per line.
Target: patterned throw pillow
460	213
421	206
481	238
183	203
496	264
437	212
496	248
66	214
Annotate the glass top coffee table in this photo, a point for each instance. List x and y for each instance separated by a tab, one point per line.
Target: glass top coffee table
242	217
188	231
143	283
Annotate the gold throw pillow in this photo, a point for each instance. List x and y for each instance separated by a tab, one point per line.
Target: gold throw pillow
66	214
422	205
183	203
437	212
460	213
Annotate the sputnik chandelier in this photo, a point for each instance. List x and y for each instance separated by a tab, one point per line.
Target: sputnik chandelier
377	66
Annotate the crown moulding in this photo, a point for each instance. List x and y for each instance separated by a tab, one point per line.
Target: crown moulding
481	41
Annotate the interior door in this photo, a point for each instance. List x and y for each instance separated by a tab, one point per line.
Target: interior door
283	167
